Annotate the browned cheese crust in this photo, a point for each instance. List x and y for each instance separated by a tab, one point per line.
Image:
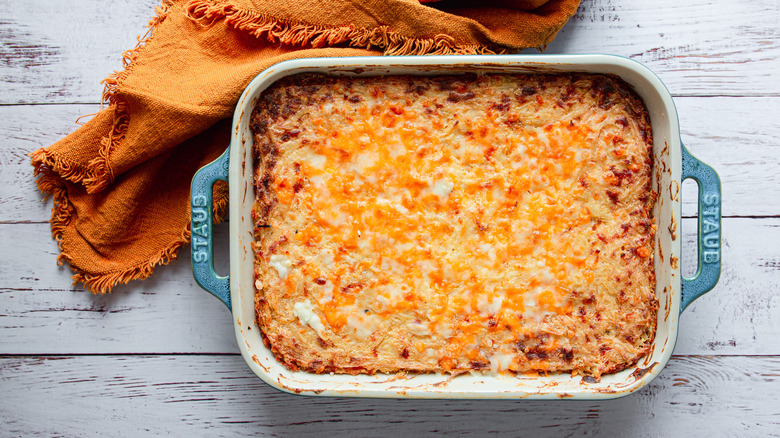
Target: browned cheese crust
445	224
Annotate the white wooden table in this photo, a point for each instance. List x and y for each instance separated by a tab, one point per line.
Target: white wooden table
159	356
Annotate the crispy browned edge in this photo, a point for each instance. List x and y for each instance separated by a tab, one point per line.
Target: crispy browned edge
278	102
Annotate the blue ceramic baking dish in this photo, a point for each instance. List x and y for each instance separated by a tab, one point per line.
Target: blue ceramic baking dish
673	164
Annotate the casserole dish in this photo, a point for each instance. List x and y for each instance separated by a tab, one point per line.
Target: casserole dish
672	165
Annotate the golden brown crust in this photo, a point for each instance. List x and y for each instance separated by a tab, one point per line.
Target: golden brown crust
452	223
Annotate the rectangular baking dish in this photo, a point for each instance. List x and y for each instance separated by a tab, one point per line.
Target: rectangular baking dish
673	164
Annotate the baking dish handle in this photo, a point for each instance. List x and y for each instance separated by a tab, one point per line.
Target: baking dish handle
202	226
708	234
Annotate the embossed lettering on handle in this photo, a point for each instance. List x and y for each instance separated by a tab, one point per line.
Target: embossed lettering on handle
709	229
202	227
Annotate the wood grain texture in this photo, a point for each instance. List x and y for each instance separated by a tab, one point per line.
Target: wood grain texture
744	308
737	136
745	154
56	53
696	47
157	357
41	313
169	313
26	128
218	395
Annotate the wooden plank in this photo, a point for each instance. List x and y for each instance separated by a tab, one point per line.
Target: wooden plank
218	395
58	52
738	138
41	312
169	313
54	52
744	306
696	47
745	154
24	129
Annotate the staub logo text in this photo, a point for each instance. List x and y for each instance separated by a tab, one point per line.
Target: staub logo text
200	229
710	228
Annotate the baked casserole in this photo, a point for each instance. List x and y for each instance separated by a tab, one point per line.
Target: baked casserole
455	223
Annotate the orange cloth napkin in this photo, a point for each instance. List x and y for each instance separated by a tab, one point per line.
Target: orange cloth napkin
120	183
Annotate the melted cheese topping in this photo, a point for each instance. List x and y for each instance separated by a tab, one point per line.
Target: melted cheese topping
305	313
281	264
450	227
397	211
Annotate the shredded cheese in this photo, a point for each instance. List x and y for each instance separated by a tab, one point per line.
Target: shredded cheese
469	226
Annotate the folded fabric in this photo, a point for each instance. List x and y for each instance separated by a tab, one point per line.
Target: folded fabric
120	183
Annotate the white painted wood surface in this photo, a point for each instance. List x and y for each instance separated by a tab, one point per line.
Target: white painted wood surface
215	396
159	356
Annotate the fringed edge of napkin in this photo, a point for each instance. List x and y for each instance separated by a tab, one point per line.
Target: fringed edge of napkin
97	175
207	12
62	213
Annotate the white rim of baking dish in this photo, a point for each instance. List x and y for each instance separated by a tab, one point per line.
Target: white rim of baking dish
472	385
